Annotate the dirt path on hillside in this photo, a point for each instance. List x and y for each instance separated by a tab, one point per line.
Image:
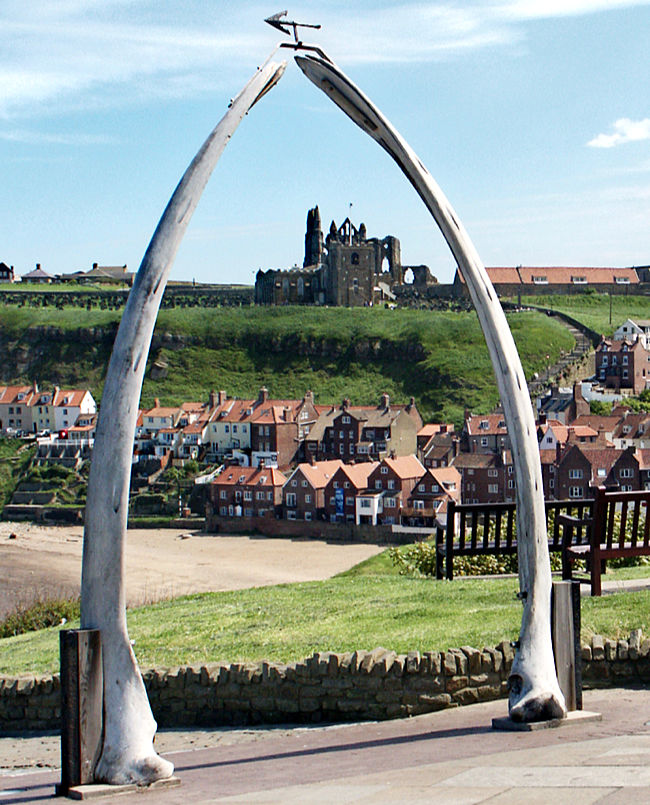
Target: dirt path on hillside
162	563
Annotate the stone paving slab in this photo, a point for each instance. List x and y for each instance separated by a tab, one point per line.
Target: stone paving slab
451	756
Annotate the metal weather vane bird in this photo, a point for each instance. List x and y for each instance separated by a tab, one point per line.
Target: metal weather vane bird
276	21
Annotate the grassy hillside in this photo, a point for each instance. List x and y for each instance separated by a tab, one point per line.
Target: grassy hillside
438	357
14	460
593	309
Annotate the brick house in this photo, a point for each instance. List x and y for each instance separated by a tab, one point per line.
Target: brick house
279	427
247	492
632	430
427	503
437	445
623	365
303	494
342	489
580	470
554	433
486	433
563	405
353	432
15	410
486	477
389	487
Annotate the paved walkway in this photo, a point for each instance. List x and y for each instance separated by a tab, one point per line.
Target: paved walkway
448	757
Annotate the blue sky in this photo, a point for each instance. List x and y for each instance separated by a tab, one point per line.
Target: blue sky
532	115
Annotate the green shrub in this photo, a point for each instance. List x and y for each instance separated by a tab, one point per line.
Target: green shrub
39	614
420	560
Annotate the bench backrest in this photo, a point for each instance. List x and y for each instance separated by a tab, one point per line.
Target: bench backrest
479	526
621	518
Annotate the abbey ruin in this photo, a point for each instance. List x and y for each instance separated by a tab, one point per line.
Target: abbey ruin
347	268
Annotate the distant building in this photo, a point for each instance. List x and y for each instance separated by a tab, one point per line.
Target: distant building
347	268
6	273
553	279
38	276
623	364
113	275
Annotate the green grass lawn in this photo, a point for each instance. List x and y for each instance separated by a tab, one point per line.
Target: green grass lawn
593	309
369	606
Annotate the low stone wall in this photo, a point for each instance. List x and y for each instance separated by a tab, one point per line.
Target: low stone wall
311	529
373	685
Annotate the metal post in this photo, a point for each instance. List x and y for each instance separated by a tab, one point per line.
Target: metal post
81	706
565	626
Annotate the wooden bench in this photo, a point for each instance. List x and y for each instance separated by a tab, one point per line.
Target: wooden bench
488	529
618	527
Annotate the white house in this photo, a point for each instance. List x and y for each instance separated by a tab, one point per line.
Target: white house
633	330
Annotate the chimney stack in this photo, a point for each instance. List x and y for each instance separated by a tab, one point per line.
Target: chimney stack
263	395
385	401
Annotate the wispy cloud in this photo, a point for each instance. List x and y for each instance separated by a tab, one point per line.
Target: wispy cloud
625	131
80	54
49	138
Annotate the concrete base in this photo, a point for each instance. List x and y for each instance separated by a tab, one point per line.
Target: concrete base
98	790
573	717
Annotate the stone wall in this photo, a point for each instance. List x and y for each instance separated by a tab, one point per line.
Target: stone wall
374	685
311	529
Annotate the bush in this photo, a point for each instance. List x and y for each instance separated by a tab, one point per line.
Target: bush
420	560
39	614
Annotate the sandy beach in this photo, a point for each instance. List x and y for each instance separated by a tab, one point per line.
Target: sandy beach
162	563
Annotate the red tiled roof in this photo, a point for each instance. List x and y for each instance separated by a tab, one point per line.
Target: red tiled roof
250	476
495	425
319	474
405	466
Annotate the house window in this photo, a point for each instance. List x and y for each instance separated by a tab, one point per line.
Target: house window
341	434
493	488
346	484
307	498
384	470
511	483
540	280
575	474
291	499
223	494
259	495
269	495
575	491
626	472
579	280
390	484
248	495
551	483
307	515
351	449
365	503
349	501
303	484
234	428
601	472
470	472
418	504
484	441
223	511
378	484
345	420
493	474
294	483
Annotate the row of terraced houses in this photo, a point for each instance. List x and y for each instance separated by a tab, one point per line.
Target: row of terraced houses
300	460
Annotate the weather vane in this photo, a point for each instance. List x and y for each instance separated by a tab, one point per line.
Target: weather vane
284	25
